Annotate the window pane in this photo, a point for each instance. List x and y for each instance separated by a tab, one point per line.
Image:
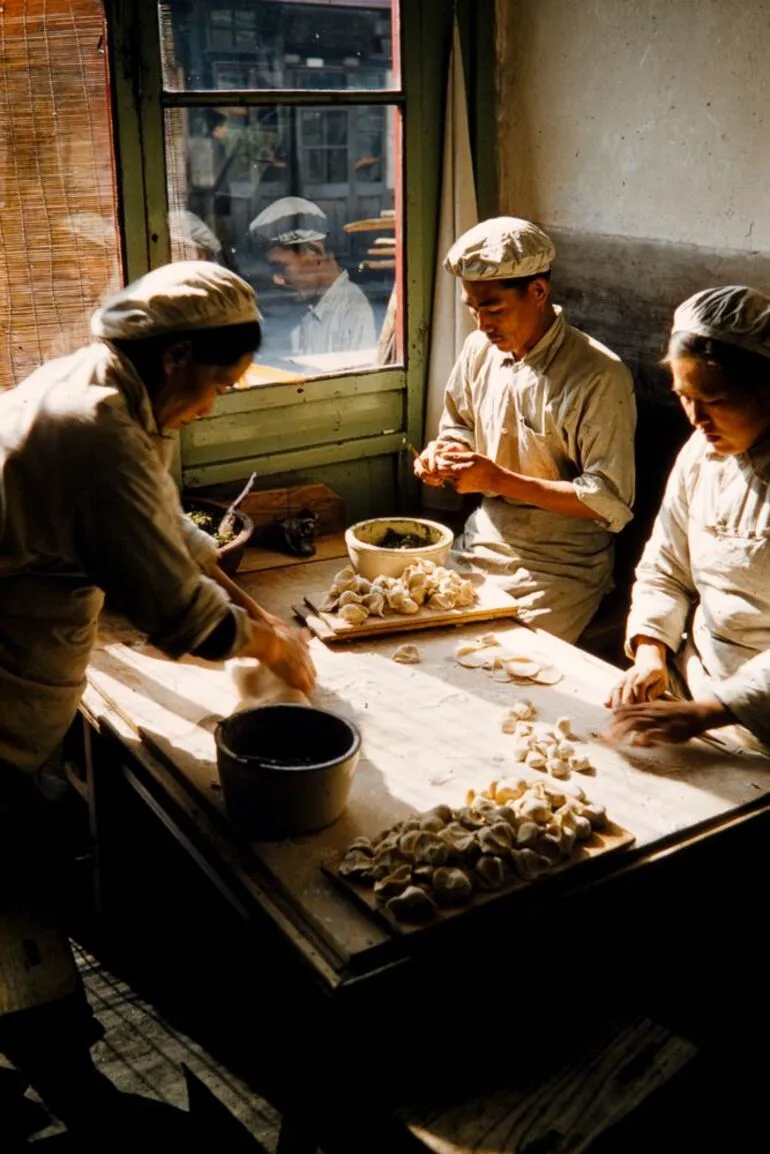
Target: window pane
324	269
322	44
59	248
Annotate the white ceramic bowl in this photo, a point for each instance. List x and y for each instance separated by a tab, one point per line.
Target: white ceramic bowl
371	559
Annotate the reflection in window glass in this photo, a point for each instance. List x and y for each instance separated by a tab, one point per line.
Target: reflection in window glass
301	202
278	43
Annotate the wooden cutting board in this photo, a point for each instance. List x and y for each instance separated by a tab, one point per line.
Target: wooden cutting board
492	602
611	839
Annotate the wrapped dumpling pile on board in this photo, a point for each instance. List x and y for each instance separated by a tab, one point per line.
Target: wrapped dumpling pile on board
512	832
422	585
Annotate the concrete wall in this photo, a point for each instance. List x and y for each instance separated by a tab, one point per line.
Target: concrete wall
637	132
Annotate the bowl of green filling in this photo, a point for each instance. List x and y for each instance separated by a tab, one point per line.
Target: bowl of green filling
207	514
385	546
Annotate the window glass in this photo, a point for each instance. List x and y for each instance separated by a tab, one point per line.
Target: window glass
301	201
299	195
274	44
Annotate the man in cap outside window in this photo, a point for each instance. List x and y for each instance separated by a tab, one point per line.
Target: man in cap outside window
539	419
339	317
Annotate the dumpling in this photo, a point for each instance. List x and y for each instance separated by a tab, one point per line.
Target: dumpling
413	905
451	886
354	614
374	602
407	655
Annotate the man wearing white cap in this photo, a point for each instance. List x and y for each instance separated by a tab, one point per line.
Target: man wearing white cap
339	317
88	508
700	610
538	418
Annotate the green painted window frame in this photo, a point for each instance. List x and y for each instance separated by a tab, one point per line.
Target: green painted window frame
136	77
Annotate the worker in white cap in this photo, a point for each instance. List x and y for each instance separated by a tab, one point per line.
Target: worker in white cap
339	318
700	615
88	508
539	419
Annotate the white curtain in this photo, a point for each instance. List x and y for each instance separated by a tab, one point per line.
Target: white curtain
451	322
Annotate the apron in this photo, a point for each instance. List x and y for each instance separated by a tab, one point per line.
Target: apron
557	590
45	644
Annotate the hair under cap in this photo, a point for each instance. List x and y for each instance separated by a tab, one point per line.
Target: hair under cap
188	294
734	313
290	220
503	247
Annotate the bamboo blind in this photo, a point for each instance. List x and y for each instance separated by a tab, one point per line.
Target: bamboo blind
59	252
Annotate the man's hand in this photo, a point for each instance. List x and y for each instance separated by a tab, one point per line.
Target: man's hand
433	466
284	651
654	722
646	679
470	472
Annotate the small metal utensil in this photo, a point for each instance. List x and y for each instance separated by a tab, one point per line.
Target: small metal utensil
227	524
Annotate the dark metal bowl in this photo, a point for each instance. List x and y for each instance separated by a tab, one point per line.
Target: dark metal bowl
286	769
231	554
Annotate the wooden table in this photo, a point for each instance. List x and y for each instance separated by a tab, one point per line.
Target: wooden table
430	732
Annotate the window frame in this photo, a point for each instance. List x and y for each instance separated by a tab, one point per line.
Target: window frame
139	103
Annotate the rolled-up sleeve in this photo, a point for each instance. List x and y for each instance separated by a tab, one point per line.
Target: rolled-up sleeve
664	591
606	445
129	541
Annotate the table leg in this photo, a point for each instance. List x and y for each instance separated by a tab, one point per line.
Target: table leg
295	1137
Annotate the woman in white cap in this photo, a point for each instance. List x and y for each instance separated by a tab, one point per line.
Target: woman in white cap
88	508
538	418
700	614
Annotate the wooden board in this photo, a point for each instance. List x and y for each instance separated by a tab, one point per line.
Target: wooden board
609	840
266	506
492	603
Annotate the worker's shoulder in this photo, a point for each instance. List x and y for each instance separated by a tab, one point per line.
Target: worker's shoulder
593	357
477	351
77	400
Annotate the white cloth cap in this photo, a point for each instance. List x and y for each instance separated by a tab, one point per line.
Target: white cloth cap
734	313
188	294
503	247
290	220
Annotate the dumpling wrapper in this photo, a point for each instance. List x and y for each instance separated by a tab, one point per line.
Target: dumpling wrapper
522	667
477	659
547	675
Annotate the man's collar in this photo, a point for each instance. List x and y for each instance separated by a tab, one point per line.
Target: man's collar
327	299
541	353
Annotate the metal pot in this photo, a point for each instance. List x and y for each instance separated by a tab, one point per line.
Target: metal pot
286	769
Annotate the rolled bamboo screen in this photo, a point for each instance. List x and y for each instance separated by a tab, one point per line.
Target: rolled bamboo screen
59	249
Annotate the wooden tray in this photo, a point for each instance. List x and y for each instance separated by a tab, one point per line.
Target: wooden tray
609	840
492	602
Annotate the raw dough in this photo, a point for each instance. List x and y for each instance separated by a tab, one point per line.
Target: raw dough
257	685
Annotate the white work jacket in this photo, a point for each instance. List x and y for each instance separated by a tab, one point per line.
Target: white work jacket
706	570
87	508
565	411
340	321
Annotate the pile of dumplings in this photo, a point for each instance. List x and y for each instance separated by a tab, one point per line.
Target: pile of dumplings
422	584
547	747
512	832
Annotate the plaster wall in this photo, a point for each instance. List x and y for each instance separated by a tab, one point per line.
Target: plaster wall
639	118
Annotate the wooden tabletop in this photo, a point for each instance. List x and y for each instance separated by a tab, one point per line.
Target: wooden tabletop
430	732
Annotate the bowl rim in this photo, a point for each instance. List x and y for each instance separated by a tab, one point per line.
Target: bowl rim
253	763
242	537
447	535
